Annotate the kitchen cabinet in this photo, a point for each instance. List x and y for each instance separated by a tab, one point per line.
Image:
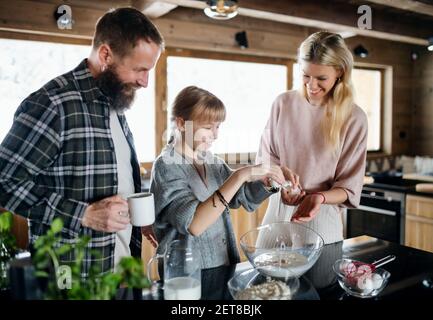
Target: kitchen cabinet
419	222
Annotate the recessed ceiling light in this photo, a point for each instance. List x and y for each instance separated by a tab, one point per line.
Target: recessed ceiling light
430	44
221	9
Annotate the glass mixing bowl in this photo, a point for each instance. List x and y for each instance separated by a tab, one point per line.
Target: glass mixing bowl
282	249
252	285
359	281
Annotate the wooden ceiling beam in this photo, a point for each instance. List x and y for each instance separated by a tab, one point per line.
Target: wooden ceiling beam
407	5
336	17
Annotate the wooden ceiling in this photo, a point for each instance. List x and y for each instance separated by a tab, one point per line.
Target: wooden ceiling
406	21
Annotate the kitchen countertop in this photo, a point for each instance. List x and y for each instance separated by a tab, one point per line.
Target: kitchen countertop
420	193
417	176
408	189
411	272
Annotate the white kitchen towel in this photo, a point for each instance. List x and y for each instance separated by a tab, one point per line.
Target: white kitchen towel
424	165
328	223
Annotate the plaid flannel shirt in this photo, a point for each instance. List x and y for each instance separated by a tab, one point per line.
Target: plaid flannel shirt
59	156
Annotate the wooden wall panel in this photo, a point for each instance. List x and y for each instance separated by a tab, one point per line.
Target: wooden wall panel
240	22
422	123
38	17
160	103
221	38
397	56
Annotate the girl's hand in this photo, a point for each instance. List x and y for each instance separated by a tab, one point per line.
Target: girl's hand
262	172
308	208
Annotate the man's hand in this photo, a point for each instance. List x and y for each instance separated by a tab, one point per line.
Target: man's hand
308	208
107	215
147	231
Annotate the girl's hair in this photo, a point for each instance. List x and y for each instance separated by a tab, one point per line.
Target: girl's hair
329	49
196	104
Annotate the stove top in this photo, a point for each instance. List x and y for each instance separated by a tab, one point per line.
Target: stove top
403	185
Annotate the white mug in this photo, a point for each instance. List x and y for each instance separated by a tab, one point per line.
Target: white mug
141	209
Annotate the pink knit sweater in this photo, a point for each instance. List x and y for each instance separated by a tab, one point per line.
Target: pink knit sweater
293	137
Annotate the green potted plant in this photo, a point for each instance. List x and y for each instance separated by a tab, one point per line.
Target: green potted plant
46	259
8	247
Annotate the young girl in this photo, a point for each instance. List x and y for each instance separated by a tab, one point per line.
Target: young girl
328	139
194	189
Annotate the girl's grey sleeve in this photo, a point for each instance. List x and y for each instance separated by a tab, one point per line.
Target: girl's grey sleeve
175	203
250	195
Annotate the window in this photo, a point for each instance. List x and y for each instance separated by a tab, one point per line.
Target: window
368	95
22	73
141	121
246	88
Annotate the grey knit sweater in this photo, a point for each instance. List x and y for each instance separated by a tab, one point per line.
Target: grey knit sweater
178	190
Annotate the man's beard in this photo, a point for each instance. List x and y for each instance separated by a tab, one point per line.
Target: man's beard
122	94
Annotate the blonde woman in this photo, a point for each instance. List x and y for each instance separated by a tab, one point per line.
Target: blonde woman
320	134
194	189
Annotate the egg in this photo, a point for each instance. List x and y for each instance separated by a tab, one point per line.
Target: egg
365	283
377	281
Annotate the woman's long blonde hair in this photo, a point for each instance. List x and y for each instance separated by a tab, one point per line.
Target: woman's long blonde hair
329	49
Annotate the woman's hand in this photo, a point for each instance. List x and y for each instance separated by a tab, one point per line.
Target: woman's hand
308	208
291	176
262	172
290	198
294	195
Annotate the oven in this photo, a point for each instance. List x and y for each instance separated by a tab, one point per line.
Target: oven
380	215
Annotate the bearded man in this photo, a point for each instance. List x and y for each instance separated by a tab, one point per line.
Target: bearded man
70	153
